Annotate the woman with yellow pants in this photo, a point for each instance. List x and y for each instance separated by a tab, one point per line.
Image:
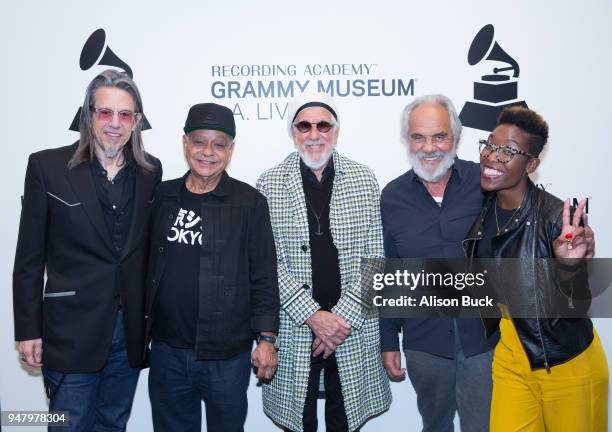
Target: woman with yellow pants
572	397
549	374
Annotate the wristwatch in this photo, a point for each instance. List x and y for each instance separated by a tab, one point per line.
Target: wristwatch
267	338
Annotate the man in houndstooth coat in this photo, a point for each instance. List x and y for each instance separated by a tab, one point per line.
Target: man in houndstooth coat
325	216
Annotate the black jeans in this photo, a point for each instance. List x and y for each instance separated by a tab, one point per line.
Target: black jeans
335	415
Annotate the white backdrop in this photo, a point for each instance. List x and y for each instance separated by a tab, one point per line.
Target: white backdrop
564	51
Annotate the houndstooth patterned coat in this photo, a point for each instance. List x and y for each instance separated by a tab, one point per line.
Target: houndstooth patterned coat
356	230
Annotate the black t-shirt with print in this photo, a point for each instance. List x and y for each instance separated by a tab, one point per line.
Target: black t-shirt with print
177	299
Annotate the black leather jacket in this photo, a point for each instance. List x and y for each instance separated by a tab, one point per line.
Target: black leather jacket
547	341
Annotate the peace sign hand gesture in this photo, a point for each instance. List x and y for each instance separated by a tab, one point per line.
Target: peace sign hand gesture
575	241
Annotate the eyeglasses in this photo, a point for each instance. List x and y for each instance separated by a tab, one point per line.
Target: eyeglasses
305	126
504	154
107	114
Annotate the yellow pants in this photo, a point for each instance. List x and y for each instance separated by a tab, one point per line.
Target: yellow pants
572	398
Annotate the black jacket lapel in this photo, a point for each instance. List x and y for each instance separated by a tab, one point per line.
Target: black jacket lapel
81	181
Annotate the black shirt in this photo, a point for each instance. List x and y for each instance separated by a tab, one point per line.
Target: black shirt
178	295
237	281
116	198
496	217
323	252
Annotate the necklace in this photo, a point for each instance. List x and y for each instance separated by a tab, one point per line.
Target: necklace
503	227
318	216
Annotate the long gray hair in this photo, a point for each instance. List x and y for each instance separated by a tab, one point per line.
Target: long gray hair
86	147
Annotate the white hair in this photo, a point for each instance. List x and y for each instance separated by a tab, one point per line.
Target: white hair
431	99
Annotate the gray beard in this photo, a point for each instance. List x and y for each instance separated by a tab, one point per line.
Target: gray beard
428	175
315	165
111	152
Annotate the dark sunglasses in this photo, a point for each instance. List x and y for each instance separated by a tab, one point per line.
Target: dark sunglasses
305	126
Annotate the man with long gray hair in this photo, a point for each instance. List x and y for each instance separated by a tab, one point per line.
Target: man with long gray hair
84	221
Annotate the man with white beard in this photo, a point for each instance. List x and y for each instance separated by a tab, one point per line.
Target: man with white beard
426	213
325	216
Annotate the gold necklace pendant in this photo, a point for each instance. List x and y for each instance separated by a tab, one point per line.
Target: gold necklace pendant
499	230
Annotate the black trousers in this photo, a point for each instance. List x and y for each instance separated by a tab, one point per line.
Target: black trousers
335	415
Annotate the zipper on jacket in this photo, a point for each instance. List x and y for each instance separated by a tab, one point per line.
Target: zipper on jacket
535	224
471	255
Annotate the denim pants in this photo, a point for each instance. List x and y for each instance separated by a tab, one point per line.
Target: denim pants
97	401
444	386
178	383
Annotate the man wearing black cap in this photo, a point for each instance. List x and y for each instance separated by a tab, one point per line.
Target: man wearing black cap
212	285
326	218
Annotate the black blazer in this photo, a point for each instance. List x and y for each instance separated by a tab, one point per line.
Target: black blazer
62	231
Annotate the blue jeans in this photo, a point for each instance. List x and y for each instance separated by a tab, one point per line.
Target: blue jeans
178	383
444	386
97	401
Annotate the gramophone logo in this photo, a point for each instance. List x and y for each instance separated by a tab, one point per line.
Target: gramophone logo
97	52
495	91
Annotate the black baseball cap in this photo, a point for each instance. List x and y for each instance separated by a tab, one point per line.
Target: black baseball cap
210	116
